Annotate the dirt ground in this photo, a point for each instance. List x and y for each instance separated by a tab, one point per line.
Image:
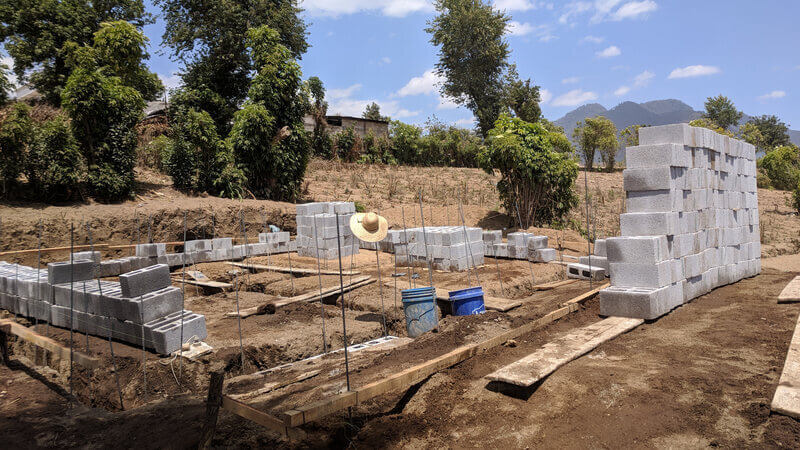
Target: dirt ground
701	376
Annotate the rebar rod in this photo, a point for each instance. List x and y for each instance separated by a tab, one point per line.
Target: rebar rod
319	277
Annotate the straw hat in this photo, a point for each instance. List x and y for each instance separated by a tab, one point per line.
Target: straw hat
369	227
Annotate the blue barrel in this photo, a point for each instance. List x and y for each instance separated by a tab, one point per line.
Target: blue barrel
466	302
419	305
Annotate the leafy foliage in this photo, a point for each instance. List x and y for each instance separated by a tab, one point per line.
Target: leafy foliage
782	167
721	111
321	143
5	84
796	198
55	165
35	33
208	38
268	138
597	134
472	56
711	125
153	154
536	180
120	47
406	141
373	112
630	135
348	147
16	132
522	97
774	133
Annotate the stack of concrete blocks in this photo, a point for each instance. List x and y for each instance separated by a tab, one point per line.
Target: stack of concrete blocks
520	245
143	301
449	248
692	221
598	258
320	219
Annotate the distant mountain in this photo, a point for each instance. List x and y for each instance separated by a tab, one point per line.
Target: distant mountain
656	112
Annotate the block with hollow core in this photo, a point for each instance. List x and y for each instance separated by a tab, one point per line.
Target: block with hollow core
152	305
637	249
142	281
640	303
641	274
649	224
151	250
594	261
164	335
584	272
63	272
658	155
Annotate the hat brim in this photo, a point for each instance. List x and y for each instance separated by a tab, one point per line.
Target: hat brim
360	232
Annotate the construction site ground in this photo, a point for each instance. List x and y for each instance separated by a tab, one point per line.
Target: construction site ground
701	376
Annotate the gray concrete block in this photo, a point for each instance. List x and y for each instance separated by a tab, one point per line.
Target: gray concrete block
584	272
537	242
164	335
595	261
198	245
637	249
658	155
650	179
679	133
648	224
151	306
151	250
221	243
142	281
90	255
543	255
641	275
640	303
600	247
654	201
63	272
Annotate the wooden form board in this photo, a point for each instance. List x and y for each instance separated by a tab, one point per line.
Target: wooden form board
790	293
28	335
541	363
787	396
54	249
294	270
206	284
491	303
406	378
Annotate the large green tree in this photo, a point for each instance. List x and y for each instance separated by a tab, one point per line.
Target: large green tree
35	32
209	39
597	134
373	112
320	140
774	132
722	111
472	56
522	97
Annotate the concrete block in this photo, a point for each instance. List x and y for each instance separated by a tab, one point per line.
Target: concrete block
153	305
650	179
537	242
640	303
198	245
679	133
641	275
693	265
657	155
637	249
584	272
654	201
221	243
649	224
151	250
543	255
594	261
164	335
142	281
600	247
90	255
63	272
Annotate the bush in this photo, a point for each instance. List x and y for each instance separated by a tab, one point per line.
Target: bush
55	166
536	179
16	132
347	145
782	167
796	198
405	141
152	154
447	145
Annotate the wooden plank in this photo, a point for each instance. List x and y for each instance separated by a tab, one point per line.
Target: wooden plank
53	249
28	335
790	293
491	303
404	379
259	417
786	400
294	270
307	297
541	363
585	296
213	403
269	387
206	284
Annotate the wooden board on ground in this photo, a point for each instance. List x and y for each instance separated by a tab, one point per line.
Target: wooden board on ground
307	297
211	284
787	396
790	293
553	285
28	335
294	270
541	363
406	378
491	303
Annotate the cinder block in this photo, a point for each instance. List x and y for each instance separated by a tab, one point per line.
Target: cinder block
63	272
90	255
594	261
693	265
648	224
600	247
637	249
584	272
221	243
198	245
153	305
657	155
151	250
679	133
650	179
543	255
654	201
640	303
164	335
537	242
142	281
641	275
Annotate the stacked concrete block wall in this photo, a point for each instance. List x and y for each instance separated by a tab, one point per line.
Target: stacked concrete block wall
143	301
317	222
520	245
691	223
449	248
598	257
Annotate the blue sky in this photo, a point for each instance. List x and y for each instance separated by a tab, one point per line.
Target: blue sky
606	51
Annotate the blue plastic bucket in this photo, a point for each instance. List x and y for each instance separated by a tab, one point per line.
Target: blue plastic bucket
466	302
420	309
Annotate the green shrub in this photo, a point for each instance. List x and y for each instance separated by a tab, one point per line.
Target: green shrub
346	142
536	180
405	142
16	132
447	145
152	154
55	165
782	167
796	198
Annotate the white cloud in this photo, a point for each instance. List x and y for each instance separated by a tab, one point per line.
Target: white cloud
772	95
334	94
519	29
545	95
622	90
386	60
573	9
593	39
693	71
574	97
465	122
643	79
547	37
633	10
170	81
355	107
609	52
570	80
427	83
514	5
392	8
447	103
602	8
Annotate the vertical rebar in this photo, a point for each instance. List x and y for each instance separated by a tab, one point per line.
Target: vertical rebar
427	257
319	277
71	304
530	264
38	273
238	286
183	297
467	243
144	351
341	288
588	240
289	255
497	265
380	288
408	245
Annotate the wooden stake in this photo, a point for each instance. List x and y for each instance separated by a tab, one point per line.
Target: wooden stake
213	404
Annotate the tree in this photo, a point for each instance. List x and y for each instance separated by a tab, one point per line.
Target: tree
774	133
630	135
711	125
558	138
536	180
16	132
55	166
522	97
268	138
210	39
782	167
406	142
373	112
472	56
35	32
321	143
6	86
722	111
597	134
121	48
